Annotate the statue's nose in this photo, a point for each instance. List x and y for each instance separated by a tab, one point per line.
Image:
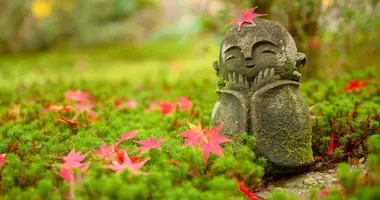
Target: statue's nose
247	54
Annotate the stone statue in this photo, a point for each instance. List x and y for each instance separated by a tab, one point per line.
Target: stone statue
258	93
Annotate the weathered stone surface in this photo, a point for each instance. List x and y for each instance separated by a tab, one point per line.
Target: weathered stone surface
281	125
259	74
300	185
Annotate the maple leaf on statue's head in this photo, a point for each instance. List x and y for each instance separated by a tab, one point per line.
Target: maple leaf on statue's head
211	143
246	17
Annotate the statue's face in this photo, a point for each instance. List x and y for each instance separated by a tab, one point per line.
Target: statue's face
248	55
258	47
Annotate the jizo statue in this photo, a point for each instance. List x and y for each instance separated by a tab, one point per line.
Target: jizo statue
258	93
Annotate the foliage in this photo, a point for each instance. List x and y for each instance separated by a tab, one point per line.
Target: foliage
32	138
40	24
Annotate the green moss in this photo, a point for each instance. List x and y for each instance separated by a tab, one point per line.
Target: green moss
32	139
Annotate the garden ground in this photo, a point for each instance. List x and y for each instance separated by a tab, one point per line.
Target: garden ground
53	102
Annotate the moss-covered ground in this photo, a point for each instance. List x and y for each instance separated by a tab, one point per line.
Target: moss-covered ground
33	136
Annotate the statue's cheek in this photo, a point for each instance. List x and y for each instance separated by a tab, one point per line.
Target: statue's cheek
233	65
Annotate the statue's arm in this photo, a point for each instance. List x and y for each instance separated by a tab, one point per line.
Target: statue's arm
232	106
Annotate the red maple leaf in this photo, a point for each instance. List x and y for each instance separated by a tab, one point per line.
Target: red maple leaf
164	107
106	152
193	135
354	85
184	103
126	164
127	136
211	143
246	17
120	157
68	122
331	146
245	191
2	159
149	144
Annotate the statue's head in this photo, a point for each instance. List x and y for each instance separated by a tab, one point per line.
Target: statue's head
266	44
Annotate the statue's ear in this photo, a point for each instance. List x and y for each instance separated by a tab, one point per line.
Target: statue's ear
301	60
216	67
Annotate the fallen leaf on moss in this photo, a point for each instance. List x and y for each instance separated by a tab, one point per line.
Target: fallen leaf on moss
211	143
193	135
149	144
106	153
68	122
2	159
184	103
127	163
127	136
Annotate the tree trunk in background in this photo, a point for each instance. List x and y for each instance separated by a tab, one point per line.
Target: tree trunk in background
303	26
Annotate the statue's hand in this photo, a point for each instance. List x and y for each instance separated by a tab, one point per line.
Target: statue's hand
265	77
238	82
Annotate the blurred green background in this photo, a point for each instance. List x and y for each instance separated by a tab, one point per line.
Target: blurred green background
88	39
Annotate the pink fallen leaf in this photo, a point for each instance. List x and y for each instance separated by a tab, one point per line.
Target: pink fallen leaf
331	146
193	135
211	143
127	163
149	144
66	175
246	17
74	158
184	103
72	161
105	152
82	107
127	136
78	96
2	159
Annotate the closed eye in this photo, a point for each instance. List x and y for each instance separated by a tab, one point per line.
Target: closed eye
229	57
268	51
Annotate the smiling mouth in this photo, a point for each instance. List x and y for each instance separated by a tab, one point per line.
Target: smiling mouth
250	66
